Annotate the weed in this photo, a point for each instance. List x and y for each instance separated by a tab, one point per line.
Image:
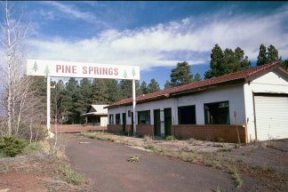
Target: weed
4	168
70	175
170	138
32	148
133	159
220	139
236	146
218	189
147	139
235	176
221	145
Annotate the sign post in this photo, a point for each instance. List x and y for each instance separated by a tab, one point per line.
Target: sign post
50	69
48	104
134	106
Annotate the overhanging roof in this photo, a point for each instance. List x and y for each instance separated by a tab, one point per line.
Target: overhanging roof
232	78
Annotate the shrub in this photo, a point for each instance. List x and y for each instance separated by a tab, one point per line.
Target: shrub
12	146
170	138
39	132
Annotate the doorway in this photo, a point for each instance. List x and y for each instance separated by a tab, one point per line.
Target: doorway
167	121
124	122
157	123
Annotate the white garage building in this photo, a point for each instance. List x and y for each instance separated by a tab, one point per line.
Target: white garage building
243	106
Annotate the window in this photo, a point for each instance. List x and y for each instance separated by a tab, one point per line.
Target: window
217	113
187	115
118	119
144	117
111	119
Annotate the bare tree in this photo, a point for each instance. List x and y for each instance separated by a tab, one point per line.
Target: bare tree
18	100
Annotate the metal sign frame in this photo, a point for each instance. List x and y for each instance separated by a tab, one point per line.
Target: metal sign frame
54	68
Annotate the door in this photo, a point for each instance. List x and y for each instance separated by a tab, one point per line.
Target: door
271	114
167	121
123	122
132	123
157	123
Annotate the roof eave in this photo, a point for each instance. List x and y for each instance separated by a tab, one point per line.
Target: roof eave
202	89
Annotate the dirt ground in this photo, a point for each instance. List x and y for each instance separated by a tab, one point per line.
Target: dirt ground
259	167
38	172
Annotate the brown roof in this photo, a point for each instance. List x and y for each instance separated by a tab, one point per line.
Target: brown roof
239	76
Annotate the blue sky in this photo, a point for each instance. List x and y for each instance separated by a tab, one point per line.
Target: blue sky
153	35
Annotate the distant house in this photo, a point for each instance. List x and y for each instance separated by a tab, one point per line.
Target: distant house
96	115
243	106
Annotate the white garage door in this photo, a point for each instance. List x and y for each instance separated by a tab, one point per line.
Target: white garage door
271	117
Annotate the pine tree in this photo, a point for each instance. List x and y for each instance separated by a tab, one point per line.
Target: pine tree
285	64
167	85
242	61
143	87
216	62
57	98
181	74
272	54
226	62
85	97
71	99
262	56
197	77
112	91
153	86
125	89
99	92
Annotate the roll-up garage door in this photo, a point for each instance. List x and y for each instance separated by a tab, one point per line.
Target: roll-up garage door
271	113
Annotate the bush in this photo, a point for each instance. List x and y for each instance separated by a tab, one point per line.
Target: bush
39	132
12	146
170	138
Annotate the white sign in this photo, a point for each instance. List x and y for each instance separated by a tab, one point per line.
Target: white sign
85	70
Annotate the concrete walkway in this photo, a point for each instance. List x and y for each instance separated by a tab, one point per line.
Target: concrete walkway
106	165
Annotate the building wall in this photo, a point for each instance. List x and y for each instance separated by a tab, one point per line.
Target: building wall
267	83
233	94
103	121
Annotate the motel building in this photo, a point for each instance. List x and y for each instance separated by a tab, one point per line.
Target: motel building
246	106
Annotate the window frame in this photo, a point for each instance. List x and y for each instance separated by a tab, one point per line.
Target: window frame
181	121
208	119
147	121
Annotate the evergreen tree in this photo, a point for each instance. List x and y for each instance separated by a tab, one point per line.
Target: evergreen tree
99	92
112	90
272	54
216	62
85	99
226	62
143	87
153	86
197	77
71	101
285	64
262	56
125	89
57	97
167	85
181	74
